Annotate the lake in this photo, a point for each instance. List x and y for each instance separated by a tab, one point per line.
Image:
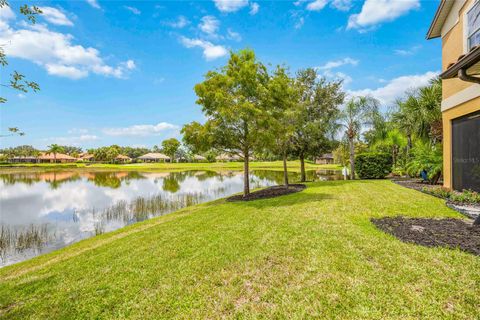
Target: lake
41	211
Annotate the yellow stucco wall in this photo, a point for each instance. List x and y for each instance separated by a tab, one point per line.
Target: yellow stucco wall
452	48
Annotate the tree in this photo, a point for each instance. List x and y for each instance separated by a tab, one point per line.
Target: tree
12	132
318	103
170	147
357	112
55	148
17	80
282	108
393	142
232	99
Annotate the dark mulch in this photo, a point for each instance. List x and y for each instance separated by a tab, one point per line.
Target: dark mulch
451	233
414	184
270	192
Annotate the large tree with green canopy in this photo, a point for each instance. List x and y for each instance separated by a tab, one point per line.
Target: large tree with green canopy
283	111
318	103
232	99
170	147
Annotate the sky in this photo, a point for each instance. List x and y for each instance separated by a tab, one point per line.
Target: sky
123	72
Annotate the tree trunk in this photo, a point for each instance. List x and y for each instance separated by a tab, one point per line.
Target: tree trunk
352	158
246	176
55	157
285	170
409	143
303	177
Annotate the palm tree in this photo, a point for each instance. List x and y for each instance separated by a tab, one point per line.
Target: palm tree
54	148
394	141
357	112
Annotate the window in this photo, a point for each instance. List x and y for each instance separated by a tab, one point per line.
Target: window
473	26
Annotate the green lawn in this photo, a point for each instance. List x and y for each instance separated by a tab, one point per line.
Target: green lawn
271	165
314	254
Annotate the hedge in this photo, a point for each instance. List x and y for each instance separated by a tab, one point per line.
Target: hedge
373	165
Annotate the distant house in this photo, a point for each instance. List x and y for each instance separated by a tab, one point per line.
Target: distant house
86	157
122	158
46	157
227	158
154	157
23	159
199	158
326	158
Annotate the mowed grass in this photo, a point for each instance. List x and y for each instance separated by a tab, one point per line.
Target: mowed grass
270	165
313	254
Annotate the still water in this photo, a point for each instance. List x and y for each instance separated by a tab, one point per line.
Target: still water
41	211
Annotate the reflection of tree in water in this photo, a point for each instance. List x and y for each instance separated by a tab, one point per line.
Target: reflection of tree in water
205	175
113	179
54	178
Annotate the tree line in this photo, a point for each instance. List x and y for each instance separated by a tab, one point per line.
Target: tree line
251	109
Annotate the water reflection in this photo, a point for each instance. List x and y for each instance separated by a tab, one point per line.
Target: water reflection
44	210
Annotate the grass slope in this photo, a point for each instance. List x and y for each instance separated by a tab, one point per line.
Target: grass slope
310	254
271	165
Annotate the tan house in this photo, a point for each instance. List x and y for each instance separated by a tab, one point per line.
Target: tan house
122	159
46	157
457	23
326	158
154	157
86	157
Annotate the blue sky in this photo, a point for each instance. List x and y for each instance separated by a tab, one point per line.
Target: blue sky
115	72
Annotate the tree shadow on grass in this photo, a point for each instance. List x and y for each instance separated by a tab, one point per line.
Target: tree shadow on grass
285	200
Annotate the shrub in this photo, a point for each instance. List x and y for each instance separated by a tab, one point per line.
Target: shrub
373	165
426	157
465	197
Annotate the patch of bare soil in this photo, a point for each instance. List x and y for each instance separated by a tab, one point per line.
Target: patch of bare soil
270	192
450	233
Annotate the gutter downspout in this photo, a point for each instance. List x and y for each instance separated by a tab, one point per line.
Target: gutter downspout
462	75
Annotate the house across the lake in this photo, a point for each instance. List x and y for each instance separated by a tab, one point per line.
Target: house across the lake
154	157
46	157
86	157
326	158
457	22
122	159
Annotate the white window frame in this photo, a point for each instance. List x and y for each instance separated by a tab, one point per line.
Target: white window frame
466	38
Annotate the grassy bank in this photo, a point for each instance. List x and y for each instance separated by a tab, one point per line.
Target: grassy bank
271	165
310	254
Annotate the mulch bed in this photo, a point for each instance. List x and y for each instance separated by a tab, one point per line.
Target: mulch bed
450	233
270	192
414	184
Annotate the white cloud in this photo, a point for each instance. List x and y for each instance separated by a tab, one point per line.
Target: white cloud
78	131
94	4
338	63
180	23
21	96
6	14
133	10
210	51
299	23
233	35
396	87
141	130
55	16
209	25
342	5
72	140
230	5
316	5
56	52
254	7
375	12
345	78
407	52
